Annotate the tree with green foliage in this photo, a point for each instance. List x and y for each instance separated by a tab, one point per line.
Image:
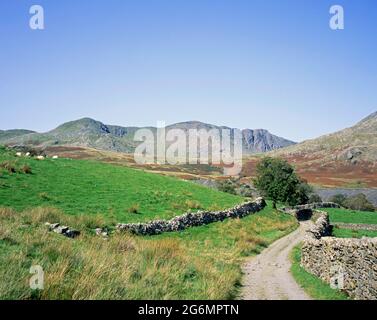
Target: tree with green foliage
301	196
277	180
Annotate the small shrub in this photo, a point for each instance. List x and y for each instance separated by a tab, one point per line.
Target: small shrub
358	202
44	196
339	199
193	204
246	190
26	169
10	166
313	198
228	186
134	208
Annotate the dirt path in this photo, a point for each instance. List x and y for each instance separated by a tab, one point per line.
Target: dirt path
267	276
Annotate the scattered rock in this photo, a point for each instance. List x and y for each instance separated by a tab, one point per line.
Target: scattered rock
350	153
102	232
70	233
63	230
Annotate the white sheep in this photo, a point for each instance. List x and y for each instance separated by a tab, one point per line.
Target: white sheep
19	154
27	154
40	157
55	157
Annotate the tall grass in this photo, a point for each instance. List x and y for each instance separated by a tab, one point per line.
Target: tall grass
200	263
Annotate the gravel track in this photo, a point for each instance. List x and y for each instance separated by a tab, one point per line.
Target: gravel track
268	277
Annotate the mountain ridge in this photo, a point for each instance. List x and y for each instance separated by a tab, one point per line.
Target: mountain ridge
356	143
87	132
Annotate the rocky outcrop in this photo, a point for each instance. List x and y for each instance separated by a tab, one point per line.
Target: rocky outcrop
192	219
260	140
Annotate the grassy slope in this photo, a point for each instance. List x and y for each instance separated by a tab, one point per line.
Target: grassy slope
88	187
312	285
199	263
352	216
347	233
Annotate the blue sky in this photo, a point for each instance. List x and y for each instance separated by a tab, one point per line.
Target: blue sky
242	63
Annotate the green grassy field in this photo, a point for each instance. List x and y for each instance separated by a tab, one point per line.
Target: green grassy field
89	187
198	263
351	216
313	286
347	233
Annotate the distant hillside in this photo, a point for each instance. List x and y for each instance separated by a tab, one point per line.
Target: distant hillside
87	132
9	134
347	158
354	144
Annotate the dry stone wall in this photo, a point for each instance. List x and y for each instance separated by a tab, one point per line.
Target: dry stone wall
321	227
356	226
317	205
192	219
349	264
304	212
